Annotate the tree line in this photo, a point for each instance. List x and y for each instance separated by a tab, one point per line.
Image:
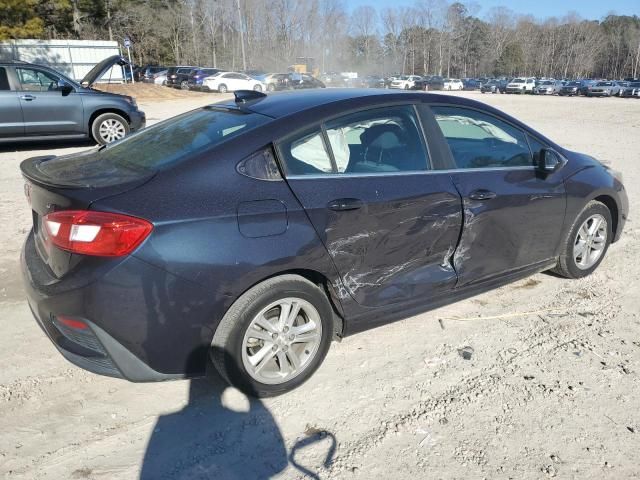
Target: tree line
432	37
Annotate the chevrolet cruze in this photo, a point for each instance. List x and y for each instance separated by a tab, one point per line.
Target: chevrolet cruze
251	233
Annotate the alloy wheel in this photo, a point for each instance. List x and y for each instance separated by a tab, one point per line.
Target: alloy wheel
281	341
111	130
590	241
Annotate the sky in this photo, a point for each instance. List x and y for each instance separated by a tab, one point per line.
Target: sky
588	9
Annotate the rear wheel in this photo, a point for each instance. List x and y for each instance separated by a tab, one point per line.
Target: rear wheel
271	87
184	85
587	242
109	127
274	336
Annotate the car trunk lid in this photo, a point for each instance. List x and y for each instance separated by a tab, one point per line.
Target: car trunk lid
72	182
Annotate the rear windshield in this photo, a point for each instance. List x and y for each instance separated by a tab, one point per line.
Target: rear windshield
175	139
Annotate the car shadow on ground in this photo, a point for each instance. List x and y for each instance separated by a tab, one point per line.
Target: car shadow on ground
45	145
209	440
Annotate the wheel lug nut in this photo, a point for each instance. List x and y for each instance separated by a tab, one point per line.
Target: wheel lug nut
274	348
291	337
286	329
274	336
284	348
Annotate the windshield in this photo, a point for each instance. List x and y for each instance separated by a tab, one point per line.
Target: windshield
604	84
173	140
517	80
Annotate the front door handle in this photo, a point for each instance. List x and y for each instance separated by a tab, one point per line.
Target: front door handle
482	194
27	97
345	204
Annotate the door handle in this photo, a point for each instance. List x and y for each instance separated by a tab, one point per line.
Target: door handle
482	194
345	204
27	97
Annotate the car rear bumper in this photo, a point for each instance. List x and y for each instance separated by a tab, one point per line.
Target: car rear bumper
126	335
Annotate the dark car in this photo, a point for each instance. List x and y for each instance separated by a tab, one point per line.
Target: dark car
304	80
473	84
494	86
39	103
585	85
570	89
178	77
197	75
373	81
434	83
255	231
147	73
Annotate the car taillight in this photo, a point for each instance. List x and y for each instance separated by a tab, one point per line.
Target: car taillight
101	234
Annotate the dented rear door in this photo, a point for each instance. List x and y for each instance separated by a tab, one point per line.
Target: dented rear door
390	233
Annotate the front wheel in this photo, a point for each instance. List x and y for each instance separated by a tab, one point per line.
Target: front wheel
587	242
222	88
274	336
109	127
257	88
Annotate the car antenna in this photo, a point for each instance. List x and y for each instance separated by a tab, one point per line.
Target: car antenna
244	96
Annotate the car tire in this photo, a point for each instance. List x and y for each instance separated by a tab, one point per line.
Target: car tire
271	87
184	85
257	88
570	263
109	127
222	88
233	349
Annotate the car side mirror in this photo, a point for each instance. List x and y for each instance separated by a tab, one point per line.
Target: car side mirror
548	160
65	88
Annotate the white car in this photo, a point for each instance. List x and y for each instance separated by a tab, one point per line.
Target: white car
231	81
521	85
453	84
405	82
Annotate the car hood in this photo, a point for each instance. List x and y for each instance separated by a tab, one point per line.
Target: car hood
101	68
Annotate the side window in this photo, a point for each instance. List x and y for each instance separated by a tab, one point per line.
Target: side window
307	155
378	141
36	80
478	140
535	146
4	81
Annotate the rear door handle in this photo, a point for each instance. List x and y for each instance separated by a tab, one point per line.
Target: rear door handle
482	194
27	97
345	204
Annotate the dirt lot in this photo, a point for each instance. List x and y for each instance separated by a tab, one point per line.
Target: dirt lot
537	379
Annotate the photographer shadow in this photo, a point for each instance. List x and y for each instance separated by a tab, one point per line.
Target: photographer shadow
209	440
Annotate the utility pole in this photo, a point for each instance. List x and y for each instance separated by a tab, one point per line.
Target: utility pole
244	58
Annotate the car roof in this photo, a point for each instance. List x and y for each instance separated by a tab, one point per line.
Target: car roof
283	104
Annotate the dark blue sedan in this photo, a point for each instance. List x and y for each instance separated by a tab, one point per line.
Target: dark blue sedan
253	232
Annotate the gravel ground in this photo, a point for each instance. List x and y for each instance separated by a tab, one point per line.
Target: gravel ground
537	379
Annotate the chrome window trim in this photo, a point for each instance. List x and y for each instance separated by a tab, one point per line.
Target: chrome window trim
410	173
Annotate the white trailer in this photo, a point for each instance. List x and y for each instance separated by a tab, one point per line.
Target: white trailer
74	58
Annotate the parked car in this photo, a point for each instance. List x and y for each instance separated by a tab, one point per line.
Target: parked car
622	84
603	89
407	82
197	76
160	78
177	77
373	81
585	85
39	103
548	87
231	81
276	81
521	85
333	79
147	73
631	90
311	224
453	84
434	83
570	89
494	86
471	84
299	81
